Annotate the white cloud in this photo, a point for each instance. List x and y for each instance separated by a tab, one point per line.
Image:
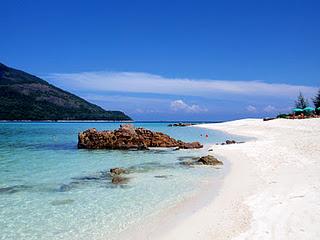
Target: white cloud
269	109
134	82
140	111
123	99
179	105
251	108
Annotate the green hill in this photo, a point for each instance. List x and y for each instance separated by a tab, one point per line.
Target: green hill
27	97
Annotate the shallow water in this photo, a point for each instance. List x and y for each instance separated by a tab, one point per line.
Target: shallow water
51	190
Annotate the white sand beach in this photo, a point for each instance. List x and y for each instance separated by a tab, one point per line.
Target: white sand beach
272	190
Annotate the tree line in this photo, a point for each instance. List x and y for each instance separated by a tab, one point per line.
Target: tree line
303	102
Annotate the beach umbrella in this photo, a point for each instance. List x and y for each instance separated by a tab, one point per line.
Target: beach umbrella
308	109
297	110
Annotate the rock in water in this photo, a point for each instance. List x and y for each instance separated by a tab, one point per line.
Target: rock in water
205	160
119	180
117	171
65	188
209	160
188	163
183	145
129	137
231	142
228	142
180	124
62	202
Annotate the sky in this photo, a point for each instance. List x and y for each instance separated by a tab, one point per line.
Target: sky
170	60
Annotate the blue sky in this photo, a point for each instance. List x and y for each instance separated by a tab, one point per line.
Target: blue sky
169	60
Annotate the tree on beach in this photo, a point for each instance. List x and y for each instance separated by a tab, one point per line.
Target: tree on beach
316	100
301	102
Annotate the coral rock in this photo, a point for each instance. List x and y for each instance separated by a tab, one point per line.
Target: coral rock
129	137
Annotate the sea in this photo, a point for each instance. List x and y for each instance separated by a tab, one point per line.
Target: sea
49	189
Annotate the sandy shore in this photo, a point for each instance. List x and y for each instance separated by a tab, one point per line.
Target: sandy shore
272	190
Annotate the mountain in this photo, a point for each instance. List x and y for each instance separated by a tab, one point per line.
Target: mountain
27	97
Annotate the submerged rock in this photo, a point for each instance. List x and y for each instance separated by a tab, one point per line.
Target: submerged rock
119	180
65	188
163	176
104	178
61	202
13	189
149	167
88	178
227	142
183	158
129	137
188	163
180	124
8	190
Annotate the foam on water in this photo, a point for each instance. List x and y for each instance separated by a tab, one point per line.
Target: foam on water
51	190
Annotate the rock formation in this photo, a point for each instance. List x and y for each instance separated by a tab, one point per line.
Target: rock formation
205	160
117	175
228	142
129	137
117	171
209	160
231	142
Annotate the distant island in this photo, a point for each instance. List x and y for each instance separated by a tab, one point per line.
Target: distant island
27	97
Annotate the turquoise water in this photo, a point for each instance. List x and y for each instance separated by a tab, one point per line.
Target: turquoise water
51	190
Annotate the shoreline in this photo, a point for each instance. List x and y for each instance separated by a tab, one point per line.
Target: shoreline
270	192
157	225
153	226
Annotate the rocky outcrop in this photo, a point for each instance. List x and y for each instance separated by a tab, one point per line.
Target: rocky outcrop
183	145
129	137
209	160
205	160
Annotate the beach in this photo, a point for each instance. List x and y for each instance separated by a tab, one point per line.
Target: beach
160	120
271	190
268	187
